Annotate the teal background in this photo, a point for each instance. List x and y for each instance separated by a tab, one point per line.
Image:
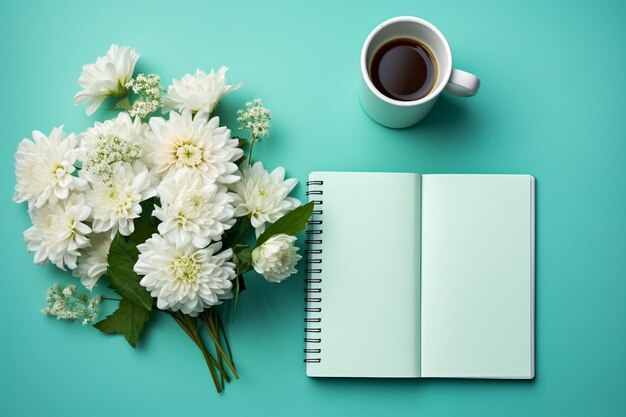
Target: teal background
552	104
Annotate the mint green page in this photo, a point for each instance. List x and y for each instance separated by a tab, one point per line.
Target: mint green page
478	276
370	291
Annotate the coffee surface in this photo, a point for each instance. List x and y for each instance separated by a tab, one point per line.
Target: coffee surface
403	69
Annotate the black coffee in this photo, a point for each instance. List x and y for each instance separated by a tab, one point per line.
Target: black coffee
403	69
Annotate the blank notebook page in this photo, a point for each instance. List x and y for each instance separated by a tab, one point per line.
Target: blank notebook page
370	275
477	276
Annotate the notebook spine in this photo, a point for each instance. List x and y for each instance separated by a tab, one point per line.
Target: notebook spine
313	280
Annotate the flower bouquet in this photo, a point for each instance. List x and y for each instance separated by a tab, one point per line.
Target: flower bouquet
163	207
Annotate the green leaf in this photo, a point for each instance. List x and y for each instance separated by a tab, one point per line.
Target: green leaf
290	224
243	259
124	280
128	320
143	231
236	233
147	207
238	247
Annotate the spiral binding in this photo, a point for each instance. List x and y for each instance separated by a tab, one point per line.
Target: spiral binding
313	290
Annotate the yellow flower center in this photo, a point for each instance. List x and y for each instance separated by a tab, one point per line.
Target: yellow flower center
56	168
185	269
196	201
112	194
189	154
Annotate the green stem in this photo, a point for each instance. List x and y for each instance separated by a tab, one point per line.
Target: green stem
219	354
192	332
250	154
110	299
236	296
210	359
220	326
210	324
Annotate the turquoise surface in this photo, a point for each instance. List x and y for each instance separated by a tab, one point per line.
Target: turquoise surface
552	104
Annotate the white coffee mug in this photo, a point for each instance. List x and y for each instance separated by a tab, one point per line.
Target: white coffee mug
399	114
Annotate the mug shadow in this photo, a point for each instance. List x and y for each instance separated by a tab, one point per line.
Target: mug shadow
451	118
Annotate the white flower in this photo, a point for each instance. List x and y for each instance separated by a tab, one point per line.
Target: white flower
148	88
104	144
193	210
66	304
186	279
276	258
44	168
59	231
263	196
198	92
116	203
69	290
193	144
256	119
92	263
107	77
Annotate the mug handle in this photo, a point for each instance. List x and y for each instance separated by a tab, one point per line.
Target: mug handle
462	83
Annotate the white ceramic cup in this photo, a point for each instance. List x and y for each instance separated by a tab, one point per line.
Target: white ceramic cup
399	114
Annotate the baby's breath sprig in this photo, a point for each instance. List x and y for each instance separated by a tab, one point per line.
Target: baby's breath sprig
148	89
67	304
256	119
110	149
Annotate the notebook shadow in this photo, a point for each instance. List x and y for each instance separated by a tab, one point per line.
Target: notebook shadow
536	294
379	386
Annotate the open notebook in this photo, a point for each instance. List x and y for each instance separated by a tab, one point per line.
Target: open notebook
420	276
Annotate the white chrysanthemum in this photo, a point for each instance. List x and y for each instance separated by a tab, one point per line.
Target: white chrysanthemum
186	279
116	203
276	258
104	144
92	263
192	144
193	210
106	77
44	167
198	92
59	231
263	196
